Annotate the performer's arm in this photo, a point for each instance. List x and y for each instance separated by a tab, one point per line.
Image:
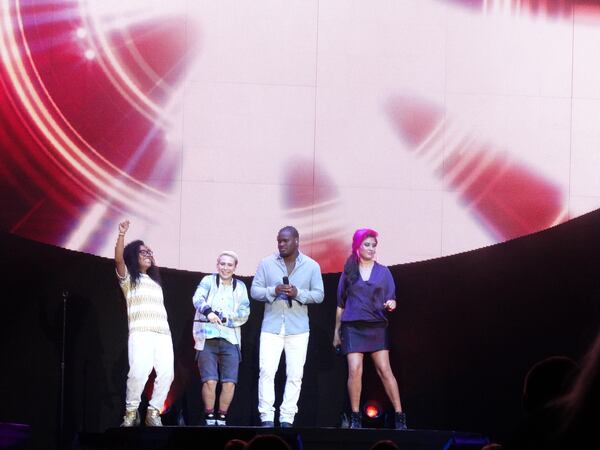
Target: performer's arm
119	260
259	289
315	293
337	339
390	292
240	317
201	303
200	297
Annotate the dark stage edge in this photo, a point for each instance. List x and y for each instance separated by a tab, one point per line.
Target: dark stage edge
183	438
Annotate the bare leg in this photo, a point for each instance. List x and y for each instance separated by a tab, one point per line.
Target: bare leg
381	359
227	390
355	370
208	394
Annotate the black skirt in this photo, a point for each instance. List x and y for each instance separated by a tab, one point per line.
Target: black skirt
364	337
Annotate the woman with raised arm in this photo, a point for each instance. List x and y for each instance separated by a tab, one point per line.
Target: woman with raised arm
366	290
149	345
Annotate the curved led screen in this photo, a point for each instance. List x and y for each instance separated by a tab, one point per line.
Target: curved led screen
445	125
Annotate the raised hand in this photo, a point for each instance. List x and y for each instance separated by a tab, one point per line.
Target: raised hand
123	227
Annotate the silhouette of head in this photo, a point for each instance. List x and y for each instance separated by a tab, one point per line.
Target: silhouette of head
547	381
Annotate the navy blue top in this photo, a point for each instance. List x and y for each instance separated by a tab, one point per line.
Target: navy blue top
366	298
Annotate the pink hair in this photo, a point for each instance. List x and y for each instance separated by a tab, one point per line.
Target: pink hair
359	236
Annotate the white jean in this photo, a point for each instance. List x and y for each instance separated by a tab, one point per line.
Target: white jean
271	346
148	350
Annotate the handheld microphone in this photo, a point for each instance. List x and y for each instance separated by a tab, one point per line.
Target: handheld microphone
286	281
205	320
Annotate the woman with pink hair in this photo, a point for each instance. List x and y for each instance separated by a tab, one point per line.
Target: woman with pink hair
365	292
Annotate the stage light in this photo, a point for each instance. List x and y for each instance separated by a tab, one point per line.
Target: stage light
81	33
373	416
89	54
372	411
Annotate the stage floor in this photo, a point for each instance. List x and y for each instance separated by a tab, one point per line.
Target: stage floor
183	438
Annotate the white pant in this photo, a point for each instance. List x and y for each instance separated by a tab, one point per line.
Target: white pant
271	346
149	350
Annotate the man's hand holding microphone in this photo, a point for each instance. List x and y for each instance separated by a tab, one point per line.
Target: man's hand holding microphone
286	288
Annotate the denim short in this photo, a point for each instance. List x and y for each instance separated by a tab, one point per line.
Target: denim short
219	360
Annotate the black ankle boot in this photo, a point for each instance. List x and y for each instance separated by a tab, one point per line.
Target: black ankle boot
400	421
355	420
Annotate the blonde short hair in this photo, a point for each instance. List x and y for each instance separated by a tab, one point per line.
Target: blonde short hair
228	253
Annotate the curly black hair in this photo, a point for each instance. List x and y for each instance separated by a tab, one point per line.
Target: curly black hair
130	255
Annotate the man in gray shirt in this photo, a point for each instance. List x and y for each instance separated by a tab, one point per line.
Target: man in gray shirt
286	281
